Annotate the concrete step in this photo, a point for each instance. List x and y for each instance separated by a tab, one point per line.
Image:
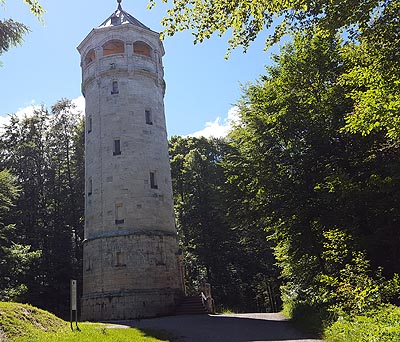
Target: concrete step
191	306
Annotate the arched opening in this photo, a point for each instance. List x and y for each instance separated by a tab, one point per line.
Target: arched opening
140	48
90	57
112	47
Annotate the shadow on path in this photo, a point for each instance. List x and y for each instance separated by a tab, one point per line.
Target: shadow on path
223	328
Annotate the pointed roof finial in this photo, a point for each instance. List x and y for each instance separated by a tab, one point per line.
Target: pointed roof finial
120	17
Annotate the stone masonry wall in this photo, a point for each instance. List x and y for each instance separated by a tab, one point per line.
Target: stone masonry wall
131	262
142	268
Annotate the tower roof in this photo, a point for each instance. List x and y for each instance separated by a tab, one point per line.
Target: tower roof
120	17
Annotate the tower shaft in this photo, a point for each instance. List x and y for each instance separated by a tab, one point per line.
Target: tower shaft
131	259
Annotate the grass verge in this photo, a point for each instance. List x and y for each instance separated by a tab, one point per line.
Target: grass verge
381	325
25	323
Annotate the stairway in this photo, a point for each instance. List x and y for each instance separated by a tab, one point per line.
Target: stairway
191	305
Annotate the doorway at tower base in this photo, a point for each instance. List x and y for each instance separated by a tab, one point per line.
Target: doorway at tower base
130	274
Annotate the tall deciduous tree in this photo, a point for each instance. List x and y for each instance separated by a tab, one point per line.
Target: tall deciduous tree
309	183
234	258
202	227
246	19
373	77
15	258
372	80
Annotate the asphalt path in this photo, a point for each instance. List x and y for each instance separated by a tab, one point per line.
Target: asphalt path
253	327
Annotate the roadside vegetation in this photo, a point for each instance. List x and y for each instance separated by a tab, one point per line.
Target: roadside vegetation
379	325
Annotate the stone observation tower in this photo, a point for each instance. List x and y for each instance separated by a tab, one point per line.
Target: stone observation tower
130	253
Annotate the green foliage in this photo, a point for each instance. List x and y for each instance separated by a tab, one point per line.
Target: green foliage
372	52
45	152
381	325
12	32
15	263
284	128
306	317
373	79
323	195
246	19
347	285
15	259
233	257
224	310
355	290
8	192
201	225
34	6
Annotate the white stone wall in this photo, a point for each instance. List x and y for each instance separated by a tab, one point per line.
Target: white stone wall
124	212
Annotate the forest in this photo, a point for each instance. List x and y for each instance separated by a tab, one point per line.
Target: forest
298	208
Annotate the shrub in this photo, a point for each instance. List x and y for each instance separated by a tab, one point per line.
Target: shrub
381	325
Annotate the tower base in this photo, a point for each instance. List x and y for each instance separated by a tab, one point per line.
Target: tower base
131	304
130	274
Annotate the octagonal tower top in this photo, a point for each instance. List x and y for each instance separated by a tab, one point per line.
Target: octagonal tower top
123	27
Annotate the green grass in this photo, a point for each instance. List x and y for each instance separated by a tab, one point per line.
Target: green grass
24	320
380	326
225	311
25	323
94	332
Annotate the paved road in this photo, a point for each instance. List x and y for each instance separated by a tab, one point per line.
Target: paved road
259	327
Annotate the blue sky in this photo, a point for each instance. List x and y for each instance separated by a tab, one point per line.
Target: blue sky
202	86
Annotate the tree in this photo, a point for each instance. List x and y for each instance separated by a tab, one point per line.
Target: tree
373	78
235	260
371	28
12	32
246	19
45	152
308	182
15	258
201	224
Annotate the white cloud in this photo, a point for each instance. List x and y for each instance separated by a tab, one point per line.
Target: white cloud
79	102
219	127
28	110
22	112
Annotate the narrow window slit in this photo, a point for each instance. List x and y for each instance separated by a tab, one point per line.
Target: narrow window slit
117	147
115	89
153	180
148	116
